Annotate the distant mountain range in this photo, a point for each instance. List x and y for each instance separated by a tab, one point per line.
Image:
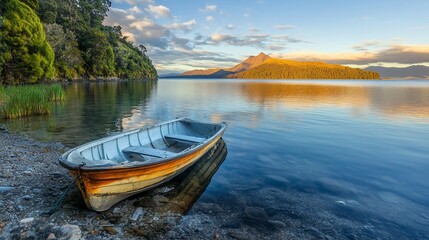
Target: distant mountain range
411	72
263	66
250	62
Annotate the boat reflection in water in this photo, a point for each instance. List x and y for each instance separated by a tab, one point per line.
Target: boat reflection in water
179	195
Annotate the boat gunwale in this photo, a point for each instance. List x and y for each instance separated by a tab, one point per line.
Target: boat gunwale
77	167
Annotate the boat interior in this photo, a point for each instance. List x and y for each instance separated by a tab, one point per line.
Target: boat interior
146	145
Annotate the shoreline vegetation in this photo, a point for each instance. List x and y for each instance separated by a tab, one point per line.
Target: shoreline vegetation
28	100
51	40
59	40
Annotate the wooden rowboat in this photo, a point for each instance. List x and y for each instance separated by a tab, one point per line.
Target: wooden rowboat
113	168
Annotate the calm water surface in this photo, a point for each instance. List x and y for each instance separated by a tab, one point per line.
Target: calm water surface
339	159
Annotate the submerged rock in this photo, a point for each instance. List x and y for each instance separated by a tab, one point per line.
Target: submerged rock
340	203
240	235
4	129
256	214
277	224
234	224
209	208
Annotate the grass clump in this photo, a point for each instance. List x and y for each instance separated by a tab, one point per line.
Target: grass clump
28	100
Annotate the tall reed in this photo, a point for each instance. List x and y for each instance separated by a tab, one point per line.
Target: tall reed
28	100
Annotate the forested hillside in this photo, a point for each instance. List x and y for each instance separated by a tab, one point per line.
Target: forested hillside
63	39
286	69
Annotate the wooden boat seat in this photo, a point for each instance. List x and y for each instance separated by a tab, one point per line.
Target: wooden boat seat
185	138
147	151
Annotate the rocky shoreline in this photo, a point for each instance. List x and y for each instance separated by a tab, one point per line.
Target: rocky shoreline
32	181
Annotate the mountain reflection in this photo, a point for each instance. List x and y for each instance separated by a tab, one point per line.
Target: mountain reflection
393	101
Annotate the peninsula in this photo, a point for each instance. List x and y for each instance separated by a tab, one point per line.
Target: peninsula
263	66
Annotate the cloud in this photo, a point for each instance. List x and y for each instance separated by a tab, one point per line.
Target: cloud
365	46
230	27
130	17
135	9
181	43
148	32
402	54
209	18
183	60
276	47
131	36
133	2
140	30
158	11
253	29
405	54
143	30
209	8
256	40
283	27
260	41
185	26
287	38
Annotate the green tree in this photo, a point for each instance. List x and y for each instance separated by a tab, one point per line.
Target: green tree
104	50
98	54
2	46
68	61
28	56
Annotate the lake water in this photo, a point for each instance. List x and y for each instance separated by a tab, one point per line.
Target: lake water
306	159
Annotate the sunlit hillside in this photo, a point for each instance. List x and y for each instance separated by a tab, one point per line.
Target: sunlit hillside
287	69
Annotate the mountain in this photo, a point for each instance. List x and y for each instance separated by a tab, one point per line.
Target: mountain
250	62
287	69
415	71
167	75
263	66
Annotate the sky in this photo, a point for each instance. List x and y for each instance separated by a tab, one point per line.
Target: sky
196	34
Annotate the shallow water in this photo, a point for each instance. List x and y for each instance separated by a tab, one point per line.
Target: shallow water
339	159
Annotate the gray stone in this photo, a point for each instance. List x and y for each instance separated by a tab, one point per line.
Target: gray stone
51	236
256	214
27	197
70	232
110	230
160	199
116	210
4	189
137	213
27	220
57	174
164	189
